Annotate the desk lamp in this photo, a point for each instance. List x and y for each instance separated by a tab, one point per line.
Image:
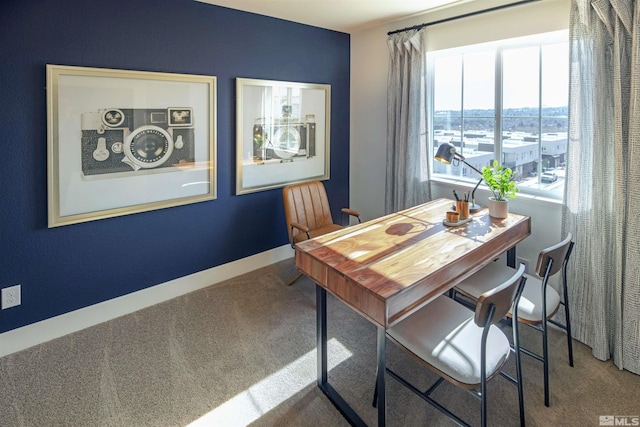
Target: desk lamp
447	154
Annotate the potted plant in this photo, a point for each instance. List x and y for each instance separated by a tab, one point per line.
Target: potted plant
500	182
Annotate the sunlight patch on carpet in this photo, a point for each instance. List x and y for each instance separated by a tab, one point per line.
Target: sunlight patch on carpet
270	392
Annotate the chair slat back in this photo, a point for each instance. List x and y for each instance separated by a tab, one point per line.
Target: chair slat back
501	297
557	254
306	204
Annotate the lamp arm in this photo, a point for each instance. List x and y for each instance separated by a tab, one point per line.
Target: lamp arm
472	167
473	193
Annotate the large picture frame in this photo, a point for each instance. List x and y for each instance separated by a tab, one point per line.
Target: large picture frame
122	142
282	133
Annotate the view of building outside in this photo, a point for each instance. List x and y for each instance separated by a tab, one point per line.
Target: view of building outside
526	114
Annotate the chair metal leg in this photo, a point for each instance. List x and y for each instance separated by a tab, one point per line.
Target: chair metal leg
483	367
292	281
375	392
545	347
434	386
566	304
483	414
427	399
567	319
516	343
545	361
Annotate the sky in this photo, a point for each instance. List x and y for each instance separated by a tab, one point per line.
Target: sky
521	71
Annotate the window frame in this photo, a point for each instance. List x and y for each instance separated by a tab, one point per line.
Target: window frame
500	46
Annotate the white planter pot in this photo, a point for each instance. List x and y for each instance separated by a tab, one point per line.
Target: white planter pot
498	208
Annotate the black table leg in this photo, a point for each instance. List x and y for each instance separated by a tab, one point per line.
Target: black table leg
321	322
323	382
511	257
380	385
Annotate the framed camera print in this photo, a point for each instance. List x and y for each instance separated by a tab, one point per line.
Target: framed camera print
122	142
282	131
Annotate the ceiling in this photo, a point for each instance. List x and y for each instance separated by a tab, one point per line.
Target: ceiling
346	16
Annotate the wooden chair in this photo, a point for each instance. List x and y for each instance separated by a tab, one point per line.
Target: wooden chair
532	311
463	347
307	213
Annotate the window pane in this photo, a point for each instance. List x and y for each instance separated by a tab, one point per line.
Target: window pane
478	112
478	122
555	124
479	81
521	113
521	82
447	105
555	76
447	100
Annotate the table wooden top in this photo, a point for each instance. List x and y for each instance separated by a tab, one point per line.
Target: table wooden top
387	267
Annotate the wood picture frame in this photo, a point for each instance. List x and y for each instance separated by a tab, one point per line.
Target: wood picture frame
123	142
282	133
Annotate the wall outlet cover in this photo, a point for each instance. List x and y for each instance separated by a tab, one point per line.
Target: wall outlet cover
11	297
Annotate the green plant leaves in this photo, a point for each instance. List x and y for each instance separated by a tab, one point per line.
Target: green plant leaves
500	181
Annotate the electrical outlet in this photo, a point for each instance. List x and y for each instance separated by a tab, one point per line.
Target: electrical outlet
523	261
11	297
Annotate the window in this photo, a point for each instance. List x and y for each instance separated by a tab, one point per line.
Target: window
505	100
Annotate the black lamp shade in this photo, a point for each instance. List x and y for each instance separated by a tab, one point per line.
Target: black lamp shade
446	152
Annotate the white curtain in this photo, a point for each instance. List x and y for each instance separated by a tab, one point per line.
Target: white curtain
602	193
407	167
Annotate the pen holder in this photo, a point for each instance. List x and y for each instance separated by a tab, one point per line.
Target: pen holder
462	208
453	216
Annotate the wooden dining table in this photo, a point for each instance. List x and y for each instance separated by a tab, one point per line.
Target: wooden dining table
388	267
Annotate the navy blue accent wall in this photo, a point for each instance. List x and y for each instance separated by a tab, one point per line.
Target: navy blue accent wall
70	267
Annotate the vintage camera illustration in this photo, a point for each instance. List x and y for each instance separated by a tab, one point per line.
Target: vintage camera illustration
287	138
136	139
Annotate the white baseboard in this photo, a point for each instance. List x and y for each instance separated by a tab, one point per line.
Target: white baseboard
55	327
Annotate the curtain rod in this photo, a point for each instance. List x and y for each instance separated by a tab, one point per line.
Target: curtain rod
466	15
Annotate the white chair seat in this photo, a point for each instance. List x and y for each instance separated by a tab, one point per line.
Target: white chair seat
444	335
530	306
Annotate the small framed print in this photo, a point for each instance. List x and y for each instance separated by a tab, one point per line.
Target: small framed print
282	132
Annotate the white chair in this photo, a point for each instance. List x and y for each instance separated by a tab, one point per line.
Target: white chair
462	346
531	309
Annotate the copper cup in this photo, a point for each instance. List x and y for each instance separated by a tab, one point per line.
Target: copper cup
462	208
453	216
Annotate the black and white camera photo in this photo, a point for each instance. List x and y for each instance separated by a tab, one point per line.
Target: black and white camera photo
116	140
286	138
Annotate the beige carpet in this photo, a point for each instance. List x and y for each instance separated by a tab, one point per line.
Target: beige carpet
242	352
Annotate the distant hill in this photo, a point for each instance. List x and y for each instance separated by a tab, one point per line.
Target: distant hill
554	119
